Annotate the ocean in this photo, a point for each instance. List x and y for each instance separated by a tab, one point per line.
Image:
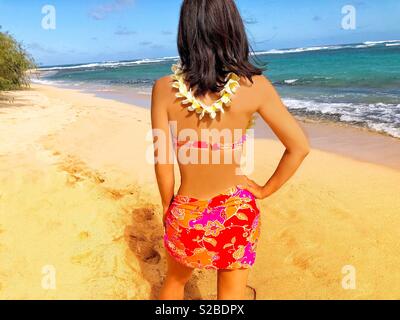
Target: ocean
354	84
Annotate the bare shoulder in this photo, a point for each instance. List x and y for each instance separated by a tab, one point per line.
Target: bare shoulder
163	85
258	91
259	86
163	92
262	83
260	94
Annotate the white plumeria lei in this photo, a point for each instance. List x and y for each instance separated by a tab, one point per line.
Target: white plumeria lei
230	88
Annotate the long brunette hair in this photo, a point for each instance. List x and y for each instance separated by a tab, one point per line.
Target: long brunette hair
212	42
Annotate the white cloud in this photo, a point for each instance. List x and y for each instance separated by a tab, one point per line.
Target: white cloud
34	46
101	12
124	31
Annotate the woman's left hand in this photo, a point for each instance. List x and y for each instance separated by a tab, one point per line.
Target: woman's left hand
257	190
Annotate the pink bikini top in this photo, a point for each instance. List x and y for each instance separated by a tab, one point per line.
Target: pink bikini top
205	145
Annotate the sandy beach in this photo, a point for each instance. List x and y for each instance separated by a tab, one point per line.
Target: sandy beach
77	194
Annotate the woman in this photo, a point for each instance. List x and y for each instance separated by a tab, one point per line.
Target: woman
213	221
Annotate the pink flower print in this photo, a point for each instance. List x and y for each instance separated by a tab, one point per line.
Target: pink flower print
249	255
213	228
215	214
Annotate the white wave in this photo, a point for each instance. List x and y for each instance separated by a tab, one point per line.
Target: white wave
291	81
380	42
90	65
58	83
366	44
392	44
309	105
360	46
108	64
41	81
385	128
379	117
105	90
298	50
145	93
171	58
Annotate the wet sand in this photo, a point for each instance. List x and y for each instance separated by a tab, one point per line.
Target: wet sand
357	143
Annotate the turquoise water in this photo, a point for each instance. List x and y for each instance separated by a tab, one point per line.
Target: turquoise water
358	84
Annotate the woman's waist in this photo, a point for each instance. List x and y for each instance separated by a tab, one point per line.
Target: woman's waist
206	172
206	187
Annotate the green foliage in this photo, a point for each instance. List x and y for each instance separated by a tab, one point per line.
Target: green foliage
14	64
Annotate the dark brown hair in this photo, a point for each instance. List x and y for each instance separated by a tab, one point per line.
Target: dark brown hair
212	42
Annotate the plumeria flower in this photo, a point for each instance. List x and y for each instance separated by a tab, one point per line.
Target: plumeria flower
183	89
202	107
202	114
189	98
226	98
232	86
235	77
177	69
195	106
219	106
176	78
212	111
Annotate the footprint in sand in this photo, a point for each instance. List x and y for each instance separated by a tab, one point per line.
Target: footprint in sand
78	171
287	238
144	235
144	250
302	260
293	216
151	256
82	258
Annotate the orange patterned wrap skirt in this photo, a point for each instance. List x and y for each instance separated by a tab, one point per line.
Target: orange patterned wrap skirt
220	233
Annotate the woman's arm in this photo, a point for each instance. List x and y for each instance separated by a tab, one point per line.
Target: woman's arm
289	132
164	166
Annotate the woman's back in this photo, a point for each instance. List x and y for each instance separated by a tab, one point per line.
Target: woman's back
209	152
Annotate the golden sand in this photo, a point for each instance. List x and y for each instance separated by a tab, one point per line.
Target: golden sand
78	196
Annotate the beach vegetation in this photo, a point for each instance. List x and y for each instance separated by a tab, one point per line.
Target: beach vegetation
15	62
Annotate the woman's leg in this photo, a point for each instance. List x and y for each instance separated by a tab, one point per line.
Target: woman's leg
177	277
232	284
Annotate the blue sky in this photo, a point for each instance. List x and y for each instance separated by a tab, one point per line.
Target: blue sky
104	30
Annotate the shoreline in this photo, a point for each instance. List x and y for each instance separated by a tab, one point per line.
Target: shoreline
356	142
76	187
